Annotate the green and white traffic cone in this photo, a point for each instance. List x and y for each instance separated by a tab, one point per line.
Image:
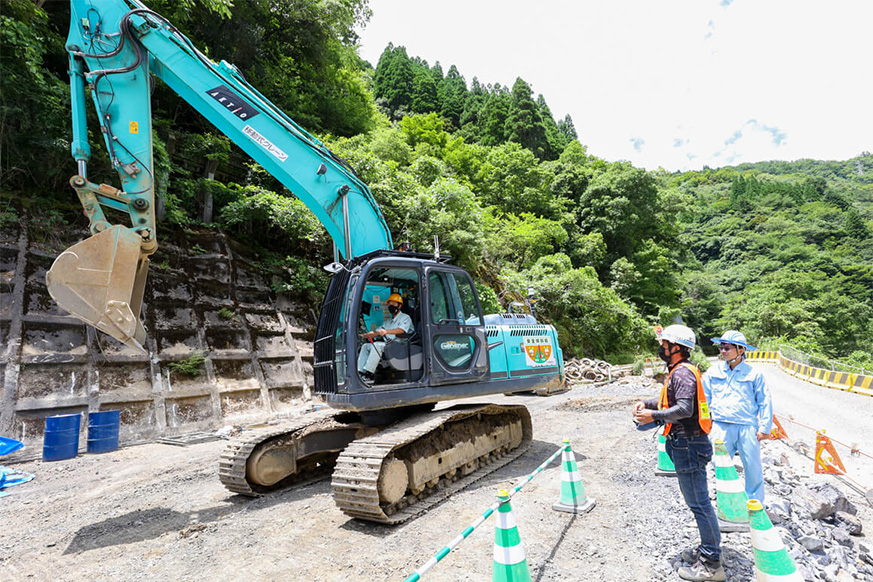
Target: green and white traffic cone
665	463
772	561
573	499
730	492
510	564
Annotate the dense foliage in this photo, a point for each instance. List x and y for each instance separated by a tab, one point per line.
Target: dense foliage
489	115
779	250
783	251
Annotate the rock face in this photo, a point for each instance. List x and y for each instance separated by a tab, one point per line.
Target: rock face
204	295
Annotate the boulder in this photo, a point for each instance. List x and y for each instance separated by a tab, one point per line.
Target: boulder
782	489
850	522
811	543
807	503
772	476
778	509
841	536
835	497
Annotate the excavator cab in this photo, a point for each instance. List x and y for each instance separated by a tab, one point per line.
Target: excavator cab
448	346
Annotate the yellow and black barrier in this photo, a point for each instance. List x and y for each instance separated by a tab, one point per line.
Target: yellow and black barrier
760	356
857	383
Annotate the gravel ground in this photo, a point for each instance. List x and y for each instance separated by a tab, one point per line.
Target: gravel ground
158	511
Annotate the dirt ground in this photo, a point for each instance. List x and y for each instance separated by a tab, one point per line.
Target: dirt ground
158	511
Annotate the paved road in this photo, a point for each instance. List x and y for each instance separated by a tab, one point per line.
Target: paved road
845	416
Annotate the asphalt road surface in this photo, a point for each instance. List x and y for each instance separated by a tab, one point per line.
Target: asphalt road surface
844	416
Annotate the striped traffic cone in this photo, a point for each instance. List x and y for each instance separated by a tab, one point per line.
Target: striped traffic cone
665	463
510	565
772	561
573	499
730	492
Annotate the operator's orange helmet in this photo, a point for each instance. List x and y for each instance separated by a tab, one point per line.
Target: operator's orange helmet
396	297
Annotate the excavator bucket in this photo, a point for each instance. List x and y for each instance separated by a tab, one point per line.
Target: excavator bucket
101	281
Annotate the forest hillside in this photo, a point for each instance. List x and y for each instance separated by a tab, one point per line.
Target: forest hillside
779	250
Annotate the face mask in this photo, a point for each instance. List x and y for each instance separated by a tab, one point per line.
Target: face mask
662	353
392	309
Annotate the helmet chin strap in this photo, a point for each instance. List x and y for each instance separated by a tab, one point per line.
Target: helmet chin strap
676	355
738	357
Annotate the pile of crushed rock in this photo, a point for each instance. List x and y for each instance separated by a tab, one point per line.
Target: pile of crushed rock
818	524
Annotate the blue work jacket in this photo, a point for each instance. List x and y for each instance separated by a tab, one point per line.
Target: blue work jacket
738	396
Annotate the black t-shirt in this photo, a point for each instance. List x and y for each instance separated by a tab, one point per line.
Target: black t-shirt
683	385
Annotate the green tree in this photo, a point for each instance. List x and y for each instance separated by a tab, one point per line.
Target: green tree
512	179
424	92
591	319
301	54
469	121
556	139
566	127
493	116
524	123
855	226
622	203
34	102
452	92
425	129
394	78
521	240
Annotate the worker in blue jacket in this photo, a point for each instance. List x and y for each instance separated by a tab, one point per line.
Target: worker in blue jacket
741	407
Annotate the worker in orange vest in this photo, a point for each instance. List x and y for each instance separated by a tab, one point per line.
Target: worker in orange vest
682	407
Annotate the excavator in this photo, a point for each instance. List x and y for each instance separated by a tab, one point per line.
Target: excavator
391	452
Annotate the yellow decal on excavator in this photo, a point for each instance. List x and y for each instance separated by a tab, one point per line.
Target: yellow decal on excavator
134	127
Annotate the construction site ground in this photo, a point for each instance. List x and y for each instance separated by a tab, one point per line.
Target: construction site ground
158	511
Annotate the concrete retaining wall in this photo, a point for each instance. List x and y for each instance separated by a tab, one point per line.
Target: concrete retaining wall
258	347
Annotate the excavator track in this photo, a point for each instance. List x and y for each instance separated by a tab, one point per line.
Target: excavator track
387	464
233	463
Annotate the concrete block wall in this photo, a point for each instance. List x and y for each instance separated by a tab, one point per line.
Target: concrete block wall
257	346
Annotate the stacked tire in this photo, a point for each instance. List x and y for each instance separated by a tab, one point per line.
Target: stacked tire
586	370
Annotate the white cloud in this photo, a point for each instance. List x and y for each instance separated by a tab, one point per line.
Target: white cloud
664	84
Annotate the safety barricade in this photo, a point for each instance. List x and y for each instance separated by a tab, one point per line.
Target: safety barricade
502	505
839	380
761	356
825	457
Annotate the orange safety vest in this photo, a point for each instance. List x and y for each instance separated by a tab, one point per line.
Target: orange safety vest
702	406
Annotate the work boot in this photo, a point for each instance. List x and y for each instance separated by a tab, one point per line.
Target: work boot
702	572
690	555
368	377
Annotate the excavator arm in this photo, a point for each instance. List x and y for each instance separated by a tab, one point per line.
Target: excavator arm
114	47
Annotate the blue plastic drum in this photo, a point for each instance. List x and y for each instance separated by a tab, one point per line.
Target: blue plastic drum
61	437
103	431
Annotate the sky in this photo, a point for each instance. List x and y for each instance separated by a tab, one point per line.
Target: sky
675	84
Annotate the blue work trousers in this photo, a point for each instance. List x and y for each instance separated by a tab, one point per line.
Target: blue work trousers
690	457
743	439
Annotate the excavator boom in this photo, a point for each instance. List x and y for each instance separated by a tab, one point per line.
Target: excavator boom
393	457
114	47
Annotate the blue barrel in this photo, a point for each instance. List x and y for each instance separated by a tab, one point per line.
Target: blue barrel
103	431
61	437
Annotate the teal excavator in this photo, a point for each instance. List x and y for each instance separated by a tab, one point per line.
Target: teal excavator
390	452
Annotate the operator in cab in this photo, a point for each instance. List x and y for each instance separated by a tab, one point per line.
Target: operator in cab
371	352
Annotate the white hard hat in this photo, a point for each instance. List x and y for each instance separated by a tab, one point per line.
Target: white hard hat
679	334
734	337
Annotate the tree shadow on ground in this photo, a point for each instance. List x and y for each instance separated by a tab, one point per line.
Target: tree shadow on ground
141	525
